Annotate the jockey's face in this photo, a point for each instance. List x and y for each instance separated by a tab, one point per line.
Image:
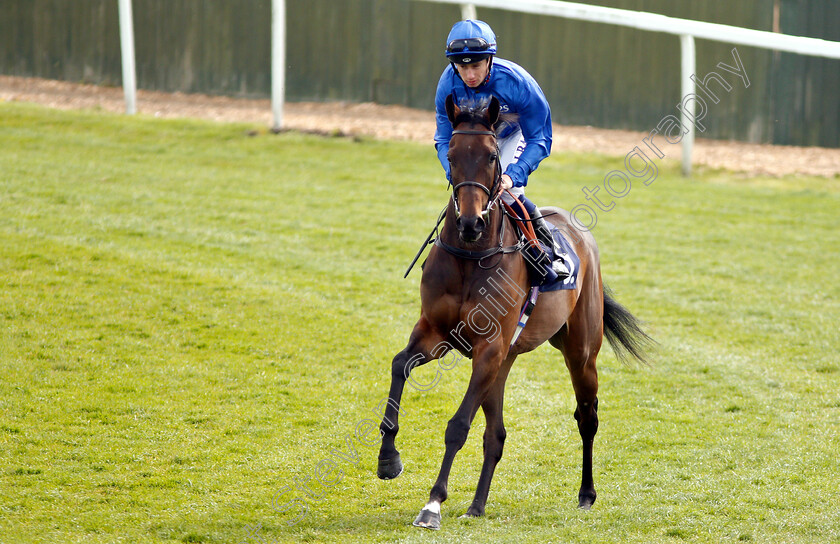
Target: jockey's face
474	74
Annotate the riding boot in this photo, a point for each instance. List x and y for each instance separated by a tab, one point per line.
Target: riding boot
543	232
542	273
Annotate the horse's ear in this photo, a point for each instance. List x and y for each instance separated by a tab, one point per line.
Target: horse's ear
493	111
452	110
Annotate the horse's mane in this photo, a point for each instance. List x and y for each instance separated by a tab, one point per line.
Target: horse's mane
475	111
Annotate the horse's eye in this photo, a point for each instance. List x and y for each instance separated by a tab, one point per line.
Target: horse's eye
493	157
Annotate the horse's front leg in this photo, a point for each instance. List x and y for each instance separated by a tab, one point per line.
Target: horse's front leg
418	352
494	438
486	364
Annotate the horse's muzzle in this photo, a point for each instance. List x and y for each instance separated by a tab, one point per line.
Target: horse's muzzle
471	228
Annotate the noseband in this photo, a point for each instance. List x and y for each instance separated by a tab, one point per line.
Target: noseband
493	192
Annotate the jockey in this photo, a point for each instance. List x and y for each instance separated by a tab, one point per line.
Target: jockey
525	140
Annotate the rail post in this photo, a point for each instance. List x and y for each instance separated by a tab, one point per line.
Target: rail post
278	62
129	74
687	111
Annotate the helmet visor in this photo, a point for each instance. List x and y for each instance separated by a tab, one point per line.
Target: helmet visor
468	45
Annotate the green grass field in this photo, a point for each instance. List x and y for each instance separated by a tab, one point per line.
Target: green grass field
193	319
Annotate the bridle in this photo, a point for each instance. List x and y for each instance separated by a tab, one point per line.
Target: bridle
493	196
493	192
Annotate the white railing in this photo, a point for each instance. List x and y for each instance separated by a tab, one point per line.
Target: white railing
686	29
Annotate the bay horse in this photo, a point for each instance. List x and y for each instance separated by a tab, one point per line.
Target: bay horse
474	283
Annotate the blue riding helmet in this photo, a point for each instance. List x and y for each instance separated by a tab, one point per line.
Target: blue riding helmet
470	41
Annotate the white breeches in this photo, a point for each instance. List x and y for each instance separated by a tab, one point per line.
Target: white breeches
510	148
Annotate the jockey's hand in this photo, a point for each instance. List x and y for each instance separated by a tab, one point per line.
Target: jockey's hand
507	183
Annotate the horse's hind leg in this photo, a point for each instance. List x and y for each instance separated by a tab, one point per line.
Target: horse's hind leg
580	342
586	390
416	353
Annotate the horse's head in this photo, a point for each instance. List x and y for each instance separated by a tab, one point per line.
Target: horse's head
475	169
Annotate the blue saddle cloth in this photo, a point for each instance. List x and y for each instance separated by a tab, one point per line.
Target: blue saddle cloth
569	257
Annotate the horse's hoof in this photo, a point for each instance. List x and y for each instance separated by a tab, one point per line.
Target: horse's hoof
428	519
389	469
586	500
472	512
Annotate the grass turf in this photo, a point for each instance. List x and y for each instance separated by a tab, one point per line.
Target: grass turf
193	319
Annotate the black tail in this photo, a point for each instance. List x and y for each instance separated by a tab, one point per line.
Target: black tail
623	330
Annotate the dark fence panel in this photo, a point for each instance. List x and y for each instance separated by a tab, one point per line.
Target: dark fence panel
806	90
60	39
384	51
210	46
390	51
